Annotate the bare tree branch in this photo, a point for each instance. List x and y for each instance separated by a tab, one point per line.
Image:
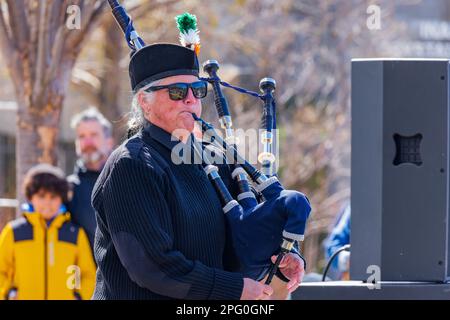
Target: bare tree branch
56	53
9	47
42	49
5	38
57	12
99	11
92	12
33	22
142	9
18	22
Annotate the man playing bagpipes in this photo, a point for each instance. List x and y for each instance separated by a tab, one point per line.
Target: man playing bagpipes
162	232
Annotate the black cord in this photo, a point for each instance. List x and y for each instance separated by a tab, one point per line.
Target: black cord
343	248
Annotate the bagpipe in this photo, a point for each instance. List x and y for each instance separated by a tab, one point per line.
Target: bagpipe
267	219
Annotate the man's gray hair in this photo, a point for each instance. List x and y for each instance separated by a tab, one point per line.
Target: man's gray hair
92	114
136	117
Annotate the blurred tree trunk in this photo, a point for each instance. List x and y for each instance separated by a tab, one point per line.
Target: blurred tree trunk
41	48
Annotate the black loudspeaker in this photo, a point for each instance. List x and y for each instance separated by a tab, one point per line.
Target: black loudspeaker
400	169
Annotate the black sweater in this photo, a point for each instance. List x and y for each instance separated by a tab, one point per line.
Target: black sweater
80	208
161	229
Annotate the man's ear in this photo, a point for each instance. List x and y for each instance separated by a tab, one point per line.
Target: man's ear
142	100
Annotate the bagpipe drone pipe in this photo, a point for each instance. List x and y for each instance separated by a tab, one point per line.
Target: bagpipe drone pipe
264	228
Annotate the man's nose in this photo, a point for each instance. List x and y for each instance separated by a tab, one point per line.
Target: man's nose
87	141
190	98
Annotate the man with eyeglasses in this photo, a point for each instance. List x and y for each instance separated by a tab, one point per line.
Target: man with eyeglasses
161	229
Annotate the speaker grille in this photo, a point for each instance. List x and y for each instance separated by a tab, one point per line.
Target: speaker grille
407	149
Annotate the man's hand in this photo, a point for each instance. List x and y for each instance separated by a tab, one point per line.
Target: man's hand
254	290
292	268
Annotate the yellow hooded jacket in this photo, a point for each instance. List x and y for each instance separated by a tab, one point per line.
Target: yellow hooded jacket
46	262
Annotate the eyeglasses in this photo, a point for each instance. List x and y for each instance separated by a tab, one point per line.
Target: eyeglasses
178	91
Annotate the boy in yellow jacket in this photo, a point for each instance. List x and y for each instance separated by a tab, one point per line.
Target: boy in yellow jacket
43	255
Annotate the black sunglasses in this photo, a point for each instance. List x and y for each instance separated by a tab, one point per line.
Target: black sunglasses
179	90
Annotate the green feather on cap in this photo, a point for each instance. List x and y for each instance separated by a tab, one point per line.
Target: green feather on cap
187	24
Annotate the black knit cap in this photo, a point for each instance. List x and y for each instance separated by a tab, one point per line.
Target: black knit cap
159	61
